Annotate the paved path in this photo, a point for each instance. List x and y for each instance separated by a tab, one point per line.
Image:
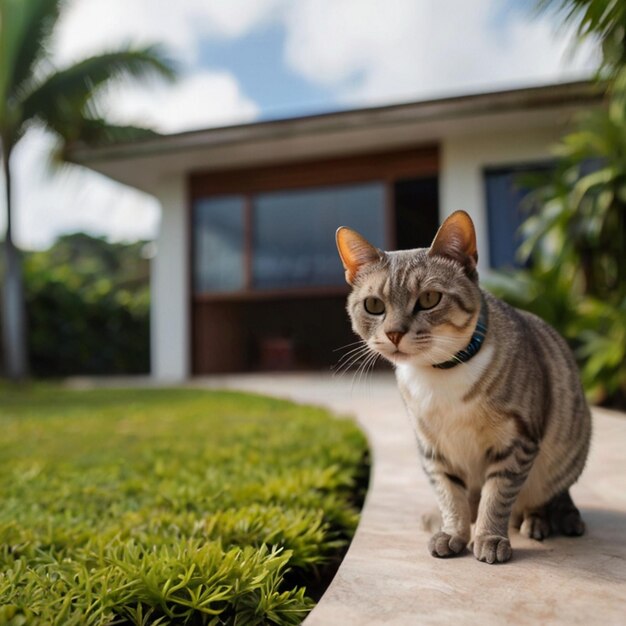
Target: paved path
388	577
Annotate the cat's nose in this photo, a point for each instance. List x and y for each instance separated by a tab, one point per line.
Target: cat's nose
395	336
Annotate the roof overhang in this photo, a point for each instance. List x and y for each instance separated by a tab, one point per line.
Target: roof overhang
144	163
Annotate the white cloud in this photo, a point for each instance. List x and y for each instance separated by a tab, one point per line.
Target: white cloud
363	51
234	18
89	26
196	101
370	52
48	203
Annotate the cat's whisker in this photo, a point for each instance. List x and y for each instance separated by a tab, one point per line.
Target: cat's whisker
368	368
343	367
353	347
440	355
354	343
362	369
353	351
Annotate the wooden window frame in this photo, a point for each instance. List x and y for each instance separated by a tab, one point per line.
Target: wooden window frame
383	167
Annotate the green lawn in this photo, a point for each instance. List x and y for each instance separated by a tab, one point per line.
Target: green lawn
169	506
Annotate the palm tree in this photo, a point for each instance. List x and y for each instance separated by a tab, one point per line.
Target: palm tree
33	92
601	20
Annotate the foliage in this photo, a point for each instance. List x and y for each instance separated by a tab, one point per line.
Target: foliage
33	90
169	506
64	101
88	303
602	20
575	240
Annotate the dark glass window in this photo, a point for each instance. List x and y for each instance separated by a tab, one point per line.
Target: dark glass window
417	212
218	232
506	190
294	232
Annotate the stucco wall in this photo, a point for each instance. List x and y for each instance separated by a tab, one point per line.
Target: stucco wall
463	160
169	334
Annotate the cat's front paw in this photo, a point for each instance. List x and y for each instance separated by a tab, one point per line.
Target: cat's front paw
443	545
492	549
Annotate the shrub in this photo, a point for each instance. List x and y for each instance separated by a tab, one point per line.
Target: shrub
575	243
170	507
88	304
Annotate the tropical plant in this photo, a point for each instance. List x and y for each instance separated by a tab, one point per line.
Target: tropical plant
601	20
64	101
575	239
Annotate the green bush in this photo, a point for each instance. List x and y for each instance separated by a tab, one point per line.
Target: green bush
88	305
80	331
170	506
575	245
575	242
575	239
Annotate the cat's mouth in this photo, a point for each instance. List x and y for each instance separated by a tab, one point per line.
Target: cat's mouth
398	355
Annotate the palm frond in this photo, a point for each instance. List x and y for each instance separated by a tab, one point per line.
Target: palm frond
93	132
63	101
604	20
25	31
99	132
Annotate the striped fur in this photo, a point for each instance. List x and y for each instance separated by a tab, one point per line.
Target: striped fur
501	437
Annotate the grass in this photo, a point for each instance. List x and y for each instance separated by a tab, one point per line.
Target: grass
170	506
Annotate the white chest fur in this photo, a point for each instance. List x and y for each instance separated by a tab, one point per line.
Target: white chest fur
459	429
430	391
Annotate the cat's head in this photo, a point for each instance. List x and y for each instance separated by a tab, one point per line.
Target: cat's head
419	305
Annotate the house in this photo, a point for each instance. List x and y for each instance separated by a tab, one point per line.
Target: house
246	275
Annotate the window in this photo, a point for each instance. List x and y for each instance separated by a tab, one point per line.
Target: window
294	233
218	238
291	236
416	211
506	189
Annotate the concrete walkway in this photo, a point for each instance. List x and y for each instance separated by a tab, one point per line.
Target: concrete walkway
388	577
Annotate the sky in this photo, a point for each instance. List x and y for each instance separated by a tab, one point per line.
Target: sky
246	60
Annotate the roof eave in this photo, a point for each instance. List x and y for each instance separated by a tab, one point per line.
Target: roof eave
547	96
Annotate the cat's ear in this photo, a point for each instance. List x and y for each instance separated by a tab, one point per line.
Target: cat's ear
355	252
456	239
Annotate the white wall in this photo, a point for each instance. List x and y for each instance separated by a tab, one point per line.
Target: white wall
463	159
169	332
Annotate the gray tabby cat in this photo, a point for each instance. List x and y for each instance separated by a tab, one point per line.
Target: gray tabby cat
502	424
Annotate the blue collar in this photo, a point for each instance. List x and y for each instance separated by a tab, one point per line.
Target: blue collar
472	348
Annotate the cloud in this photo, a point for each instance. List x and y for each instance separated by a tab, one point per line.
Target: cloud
49	203
90	26
362	51
198	100
406	49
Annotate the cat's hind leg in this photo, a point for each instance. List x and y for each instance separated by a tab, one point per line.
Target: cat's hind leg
536	523
564	517
558	516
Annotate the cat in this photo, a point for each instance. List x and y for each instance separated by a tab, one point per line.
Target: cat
502	424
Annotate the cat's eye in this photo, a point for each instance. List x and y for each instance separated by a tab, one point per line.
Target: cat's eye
428	300
374	306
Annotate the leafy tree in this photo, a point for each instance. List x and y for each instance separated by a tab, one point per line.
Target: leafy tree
64	101
576	237
89	304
